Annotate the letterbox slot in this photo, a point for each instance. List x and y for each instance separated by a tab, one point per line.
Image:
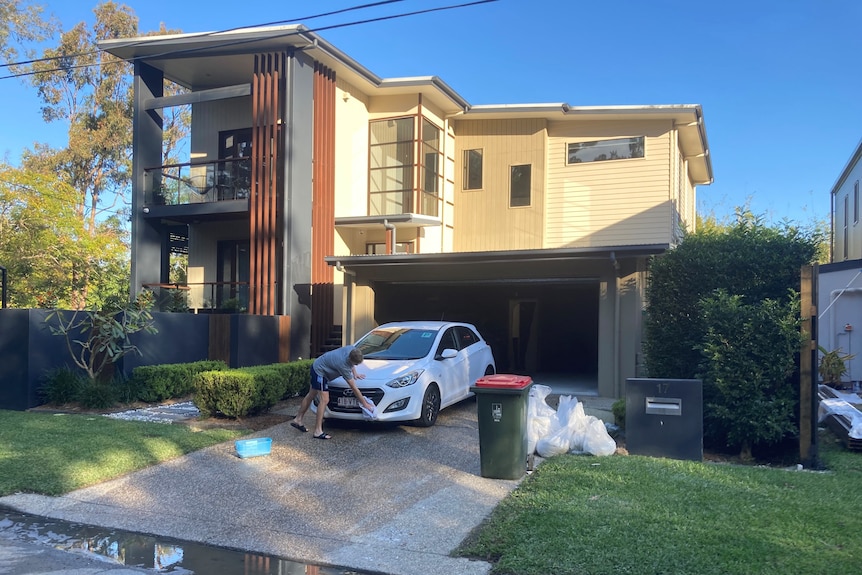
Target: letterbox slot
664	405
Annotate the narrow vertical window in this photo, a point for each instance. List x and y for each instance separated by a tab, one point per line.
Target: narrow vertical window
472	169
431	169
519	186
856	202
846	235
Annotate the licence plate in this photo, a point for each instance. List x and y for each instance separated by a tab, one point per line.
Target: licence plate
348	402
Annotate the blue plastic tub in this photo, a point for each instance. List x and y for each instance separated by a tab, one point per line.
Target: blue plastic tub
253	447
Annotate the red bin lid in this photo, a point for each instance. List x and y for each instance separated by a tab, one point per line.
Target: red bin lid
504	381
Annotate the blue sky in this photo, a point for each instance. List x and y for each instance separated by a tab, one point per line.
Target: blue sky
772	75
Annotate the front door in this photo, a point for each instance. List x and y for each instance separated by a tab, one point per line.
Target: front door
234	177
233	276
523	344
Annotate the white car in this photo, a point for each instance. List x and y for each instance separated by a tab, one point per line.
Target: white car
413	369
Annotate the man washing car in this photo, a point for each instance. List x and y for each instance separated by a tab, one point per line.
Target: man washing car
331	365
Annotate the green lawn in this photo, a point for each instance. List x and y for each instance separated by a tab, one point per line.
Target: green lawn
54	454
575	515
638	515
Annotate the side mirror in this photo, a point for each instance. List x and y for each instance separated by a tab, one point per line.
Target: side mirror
447	353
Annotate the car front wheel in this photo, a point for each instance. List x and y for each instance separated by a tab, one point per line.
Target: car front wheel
430	407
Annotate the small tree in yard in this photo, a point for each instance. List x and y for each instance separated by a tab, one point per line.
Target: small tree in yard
98	338
749	355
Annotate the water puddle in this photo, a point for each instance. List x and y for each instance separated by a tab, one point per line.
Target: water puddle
163	555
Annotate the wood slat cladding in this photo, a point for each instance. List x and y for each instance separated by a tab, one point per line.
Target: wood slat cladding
284	338
323	207
267	94
219	345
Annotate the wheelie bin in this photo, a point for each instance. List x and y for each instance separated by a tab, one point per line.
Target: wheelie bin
501	401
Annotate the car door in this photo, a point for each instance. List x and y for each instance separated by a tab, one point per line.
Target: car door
475	359
453	370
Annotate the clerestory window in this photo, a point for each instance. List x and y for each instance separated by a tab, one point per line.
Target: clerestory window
605	150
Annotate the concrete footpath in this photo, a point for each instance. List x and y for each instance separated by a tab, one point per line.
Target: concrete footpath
379	498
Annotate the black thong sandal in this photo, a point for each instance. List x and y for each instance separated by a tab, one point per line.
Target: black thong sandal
298	426
323	436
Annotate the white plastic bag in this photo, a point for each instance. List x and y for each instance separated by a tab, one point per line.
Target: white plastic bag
597	440
541	417
556	443
560	440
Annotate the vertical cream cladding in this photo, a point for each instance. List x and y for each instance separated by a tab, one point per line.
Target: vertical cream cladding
614	202
484	220
351	164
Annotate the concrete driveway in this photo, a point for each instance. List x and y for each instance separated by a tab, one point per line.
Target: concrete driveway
385	498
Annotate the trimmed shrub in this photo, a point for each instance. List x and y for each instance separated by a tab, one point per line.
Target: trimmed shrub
748	359
296	377
172	380
229	393
249	390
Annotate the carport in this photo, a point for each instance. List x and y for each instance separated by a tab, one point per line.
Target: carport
563	313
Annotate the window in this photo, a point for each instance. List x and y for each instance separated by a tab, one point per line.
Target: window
430	168
603	150
466	337
856	202
846	235
448	341
380	248
406	173
392	162
519	186
472	169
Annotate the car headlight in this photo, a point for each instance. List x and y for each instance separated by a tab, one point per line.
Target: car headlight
406	379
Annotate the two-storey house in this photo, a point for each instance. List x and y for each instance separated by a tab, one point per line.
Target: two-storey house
318	192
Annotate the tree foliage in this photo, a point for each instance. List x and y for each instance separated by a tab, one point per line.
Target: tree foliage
707	299
21	24
749	355
748	259
47	249
90	91
96	339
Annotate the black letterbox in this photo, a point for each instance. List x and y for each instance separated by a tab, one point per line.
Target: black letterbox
664	417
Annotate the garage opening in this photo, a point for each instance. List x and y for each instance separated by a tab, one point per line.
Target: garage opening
533	327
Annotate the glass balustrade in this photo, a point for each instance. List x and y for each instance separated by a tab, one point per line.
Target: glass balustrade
193	183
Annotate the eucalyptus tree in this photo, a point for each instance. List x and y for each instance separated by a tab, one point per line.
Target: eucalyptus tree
22	24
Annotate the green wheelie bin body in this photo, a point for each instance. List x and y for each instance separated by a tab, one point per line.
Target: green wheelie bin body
501	401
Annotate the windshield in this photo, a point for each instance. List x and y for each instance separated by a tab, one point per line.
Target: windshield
397	343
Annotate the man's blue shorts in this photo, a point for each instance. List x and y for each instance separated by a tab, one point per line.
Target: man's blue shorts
318	382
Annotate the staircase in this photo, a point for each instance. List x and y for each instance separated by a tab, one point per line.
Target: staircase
333	340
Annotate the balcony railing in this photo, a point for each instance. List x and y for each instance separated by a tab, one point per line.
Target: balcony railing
202	297
198	182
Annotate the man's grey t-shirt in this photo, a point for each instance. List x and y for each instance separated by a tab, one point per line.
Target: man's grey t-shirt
335	363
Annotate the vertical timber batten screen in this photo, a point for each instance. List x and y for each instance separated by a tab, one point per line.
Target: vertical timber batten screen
266	150
323	211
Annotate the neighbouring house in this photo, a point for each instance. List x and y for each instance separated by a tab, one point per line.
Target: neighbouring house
839	286
318	192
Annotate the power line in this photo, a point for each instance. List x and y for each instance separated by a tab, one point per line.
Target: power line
245	41
205	34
